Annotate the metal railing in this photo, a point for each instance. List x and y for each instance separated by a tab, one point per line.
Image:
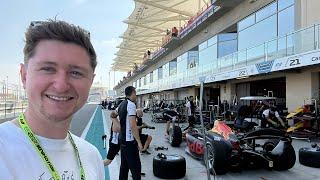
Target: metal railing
11	109
297	42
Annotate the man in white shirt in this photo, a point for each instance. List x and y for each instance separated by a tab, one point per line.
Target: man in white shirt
58	70
269	116
190	112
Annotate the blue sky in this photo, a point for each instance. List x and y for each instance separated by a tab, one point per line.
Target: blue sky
103	18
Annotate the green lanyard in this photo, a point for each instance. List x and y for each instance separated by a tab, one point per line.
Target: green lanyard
35	142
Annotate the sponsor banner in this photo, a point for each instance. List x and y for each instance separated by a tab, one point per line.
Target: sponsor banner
289	62
238	73
264	67
295	61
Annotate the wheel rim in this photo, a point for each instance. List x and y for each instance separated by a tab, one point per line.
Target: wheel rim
210	157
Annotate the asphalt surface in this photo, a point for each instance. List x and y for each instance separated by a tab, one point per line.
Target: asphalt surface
81	119
196	170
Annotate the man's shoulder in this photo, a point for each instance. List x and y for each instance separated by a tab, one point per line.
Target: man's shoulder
130	103
6	129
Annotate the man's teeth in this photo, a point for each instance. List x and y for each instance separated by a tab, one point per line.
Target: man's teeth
59	98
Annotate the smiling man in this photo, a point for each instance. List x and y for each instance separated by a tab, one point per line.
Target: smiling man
58	70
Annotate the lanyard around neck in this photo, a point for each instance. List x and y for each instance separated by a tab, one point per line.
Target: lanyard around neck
35	142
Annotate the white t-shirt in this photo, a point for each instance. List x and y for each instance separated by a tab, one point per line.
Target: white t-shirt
188	105
115	137
131	109
267	111
20	161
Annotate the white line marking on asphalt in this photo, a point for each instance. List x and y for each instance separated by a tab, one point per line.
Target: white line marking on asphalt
85	131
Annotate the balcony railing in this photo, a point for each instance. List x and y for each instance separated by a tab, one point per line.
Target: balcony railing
304	40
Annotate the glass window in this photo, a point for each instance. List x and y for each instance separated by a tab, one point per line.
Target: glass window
286	21
151	77
203	45
173	67
160	73
282	4
140	82
147	78
208	55
212	40
144	80
227	47
193	59
227	36
182	63
155	75
166	70
248	21
266	12
259	33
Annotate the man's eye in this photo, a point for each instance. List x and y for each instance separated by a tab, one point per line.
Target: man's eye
48	69
76	74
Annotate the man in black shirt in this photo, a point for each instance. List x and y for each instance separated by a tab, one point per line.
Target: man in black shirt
129	137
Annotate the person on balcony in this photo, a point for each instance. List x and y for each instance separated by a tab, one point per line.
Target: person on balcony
174	32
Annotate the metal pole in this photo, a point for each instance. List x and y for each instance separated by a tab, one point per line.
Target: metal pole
203	130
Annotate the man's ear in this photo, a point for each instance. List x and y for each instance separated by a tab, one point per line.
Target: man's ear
23	74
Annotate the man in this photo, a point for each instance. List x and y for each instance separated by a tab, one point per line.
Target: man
269	116
169	115
114	145
57	74
129	135
190	112
145	138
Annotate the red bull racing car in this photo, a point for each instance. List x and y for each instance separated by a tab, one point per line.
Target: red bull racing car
260	148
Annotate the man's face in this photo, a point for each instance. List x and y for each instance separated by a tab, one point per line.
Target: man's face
57	79
133	96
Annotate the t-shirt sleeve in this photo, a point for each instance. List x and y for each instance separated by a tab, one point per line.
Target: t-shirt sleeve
266	113
131	109
277	114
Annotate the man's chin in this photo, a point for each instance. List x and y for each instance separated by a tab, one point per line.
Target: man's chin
59	117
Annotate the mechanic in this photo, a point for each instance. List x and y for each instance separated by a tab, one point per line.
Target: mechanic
190	112
129	136
145	138
268	118
114	146
169	115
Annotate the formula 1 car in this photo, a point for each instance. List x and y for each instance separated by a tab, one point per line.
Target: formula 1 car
261	148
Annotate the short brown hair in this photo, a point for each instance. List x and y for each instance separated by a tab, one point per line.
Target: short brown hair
57	30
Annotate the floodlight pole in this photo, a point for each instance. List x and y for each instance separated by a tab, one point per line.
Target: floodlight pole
203	130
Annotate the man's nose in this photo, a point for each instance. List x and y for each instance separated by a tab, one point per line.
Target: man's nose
62	82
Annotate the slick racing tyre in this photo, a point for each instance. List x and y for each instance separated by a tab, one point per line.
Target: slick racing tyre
309	157
217	158
175	136
169	166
